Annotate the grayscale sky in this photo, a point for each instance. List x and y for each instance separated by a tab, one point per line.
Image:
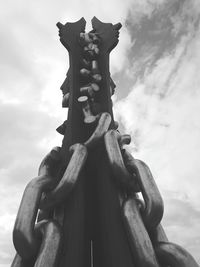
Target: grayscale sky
156	68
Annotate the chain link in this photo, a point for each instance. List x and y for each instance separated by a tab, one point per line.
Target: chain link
51	244
50	233
19	262
158	235
140	242
122	176
69	179
154	207
147	238
174	255
25	238
101	129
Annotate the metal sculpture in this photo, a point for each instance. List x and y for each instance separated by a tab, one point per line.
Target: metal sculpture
83	209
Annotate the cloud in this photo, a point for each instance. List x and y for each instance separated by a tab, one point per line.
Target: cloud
154	37
161	112
141	9
159	109
181	222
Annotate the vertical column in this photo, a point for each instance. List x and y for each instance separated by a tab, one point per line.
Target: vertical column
76	247
110	244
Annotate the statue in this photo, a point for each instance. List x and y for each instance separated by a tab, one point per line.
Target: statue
84	209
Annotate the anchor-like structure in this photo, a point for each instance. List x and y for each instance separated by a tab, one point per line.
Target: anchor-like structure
83	209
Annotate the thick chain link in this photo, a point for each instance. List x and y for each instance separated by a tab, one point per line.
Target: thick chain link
148	241
69	178
25	238
121	174
50	233
154	207
138	236
174	255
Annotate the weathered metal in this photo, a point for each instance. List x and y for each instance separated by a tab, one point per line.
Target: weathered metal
158	235
154	207
101	129
138	236
19	262
69	179
89	117
25	239
84	209
122	176
48	255
48	248
174	255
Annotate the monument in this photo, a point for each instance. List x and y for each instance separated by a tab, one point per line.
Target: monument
84	208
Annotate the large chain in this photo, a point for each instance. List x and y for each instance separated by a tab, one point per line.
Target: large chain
40	242
34	242
37	237
142	217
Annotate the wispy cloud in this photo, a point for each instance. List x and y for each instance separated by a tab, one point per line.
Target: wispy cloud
161	112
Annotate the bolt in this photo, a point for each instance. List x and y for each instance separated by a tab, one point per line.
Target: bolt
95	68
87	90
85	72
95	87
88	116
97	77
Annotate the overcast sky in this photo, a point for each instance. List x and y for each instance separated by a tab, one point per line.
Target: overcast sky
156	68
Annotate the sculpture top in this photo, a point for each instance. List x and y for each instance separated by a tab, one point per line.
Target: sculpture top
88	87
